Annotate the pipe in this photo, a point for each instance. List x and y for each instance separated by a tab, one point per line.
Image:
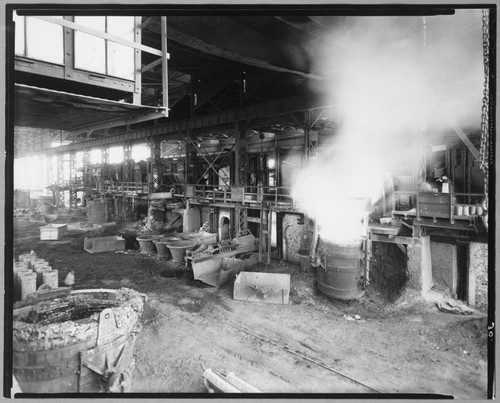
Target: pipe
214	382
241	384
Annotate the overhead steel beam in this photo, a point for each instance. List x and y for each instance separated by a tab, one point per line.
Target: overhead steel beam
256	115
203	46
151	65
118	122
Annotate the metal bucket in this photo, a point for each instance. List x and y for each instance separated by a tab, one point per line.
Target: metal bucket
341	274
146	243
161	247
178	249
92	351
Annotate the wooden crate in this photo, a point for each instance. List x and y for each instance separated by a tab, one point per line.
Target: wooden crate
104	244
53	232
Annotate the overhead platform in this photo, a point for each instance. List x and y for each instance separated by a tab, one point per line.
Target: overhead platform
50	109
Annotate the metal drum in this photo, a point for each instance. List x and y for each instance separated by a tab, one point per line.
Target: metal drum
341	273
78	342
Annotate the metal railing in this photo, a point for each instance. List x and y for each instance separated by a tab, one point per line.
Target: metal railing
275	196
126	188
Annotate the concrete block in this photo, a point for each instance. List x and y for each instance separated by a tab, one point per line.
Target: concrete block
420	264
53	232
104	244
262	287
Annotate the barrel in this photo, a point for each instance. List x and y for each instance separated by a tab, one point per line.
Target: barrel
340	274
75	350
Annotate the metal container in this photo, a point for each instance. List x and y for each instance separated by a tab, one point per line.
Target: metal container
162	249
146	243
40	271
51	278
178	249
28	283
341	273
92	351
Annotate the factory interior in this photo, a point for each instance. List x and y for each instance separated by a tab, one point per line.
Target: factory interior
264	200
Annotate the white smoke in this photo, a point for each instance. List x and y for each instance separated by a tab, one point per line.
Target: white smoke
390	77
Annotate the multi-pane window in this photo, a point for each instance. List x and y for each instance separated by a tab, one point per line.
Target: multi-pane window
102	55
42	40
38	39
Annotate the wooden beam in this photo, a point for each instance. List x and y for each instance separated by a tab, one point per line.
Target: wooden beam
99	34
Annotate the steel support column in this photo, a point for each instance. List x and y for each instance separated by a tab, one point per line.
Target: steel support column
59	195
87	174
73	181
155	180
128	163
240	155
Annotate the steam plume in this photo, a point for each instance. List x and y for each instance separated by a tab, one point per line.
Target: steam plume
389	77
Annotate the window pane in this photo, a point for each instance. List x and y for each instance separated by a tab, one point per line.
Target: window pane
90	53
44	40
19	47
121	57
115	155
140	152
95	156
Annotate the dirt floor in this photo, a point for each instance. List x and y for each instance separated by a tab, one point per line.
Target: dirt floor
312	345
